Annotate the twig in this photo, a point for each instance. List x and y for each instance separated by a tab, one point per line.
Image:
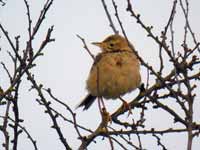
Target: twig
148	29
7	71
100	130
185	12
48	110
68	108
26	131
85	46
4	127
150	131
29	48
163	33
159	142
139	141
120	144
46	7
2	3
17	119
109	17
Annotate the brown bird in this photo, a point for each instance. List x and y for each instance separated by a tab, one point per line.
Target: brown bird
115	72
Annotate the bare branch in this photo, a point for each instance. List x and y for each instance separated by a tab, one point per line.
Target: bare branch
85	46
109	17
25	130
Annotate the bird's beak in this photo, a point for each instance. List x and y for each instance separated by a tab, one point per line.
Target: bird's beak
99	44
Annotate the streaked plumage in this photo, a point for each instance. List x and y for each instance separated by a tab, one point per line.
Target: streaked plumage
115	71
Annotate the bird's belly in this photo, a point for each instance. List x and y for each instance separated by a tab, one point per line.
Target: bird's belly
113	78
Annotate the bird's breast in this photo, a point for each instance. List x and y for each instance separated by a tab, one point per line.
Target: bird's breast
114	74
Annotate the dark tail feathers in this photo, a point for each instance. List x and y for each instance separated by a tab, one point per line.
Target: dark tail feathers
87	102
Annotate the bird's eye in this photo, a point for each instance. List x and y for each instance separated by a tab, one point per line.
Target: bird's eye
111	44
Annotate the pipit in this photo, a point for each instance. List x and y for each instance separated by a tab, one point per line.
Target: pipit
115	71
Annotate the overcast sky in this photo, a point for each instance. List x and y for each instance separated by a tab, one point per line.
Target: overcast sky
65	64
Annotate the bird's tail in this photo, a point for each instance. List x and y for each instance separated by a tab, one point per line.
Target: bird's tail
86	102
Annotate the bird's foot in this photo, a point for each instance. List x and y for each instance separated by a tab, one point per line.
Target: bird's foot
106	116
126	106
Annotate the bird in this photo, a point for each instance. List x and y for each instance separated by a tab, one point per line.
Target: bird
115	71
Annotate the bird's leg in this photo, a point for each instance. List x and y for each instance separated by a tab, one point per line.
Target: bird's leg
101	100
126	106
102	108
99	104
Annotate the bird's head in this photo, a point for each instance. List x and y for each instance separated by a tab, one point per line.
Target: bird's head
113	43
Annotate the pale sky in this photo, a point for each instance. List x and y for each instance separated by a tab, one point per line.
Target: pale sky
65	64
